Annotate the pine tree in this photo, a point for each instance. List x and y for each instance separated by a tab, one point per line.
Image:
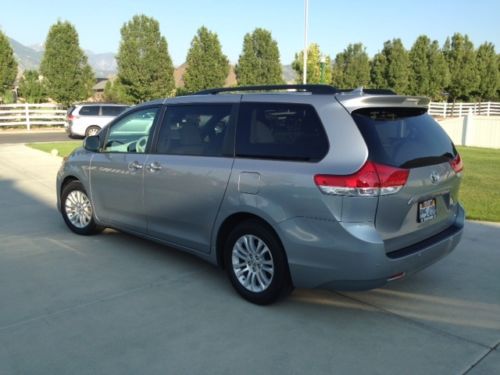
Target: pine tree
67	74
429	73
32	88
351	68
314	66
8	65
207	66
259	62
145	69
461	57
487	65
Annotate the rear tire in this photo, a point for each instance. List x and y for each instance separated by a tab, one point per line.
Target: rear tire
256	263
77	210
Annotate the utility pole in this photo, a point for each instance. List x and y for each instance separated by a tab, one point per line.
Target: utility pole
306	11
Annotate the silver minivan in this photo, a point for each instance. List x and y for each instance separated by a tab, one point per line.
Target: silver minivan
315	188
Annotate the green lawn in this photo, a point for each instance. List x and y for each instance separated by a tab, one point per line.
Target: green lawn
63	148
480	191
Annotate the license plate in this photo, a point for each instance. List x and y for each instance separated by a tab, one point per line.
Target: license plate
427	210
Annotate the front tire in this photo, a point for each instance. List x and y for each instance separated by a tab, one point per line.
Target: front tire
92	130
77	209
256	263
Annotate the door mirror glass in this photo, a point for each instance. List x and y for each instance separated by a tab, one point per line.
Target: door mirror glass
92	143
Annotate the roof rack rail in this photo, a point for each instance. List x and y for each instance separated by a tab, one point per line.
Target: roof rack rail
313	89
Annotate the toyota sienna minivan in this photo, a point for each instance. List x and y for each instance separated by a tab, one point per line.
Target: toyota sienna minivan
282	186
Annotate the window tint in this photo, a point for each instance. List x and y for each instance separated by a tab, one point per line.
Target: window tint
403	137
131	133
195	130
112	110
280	131
89	110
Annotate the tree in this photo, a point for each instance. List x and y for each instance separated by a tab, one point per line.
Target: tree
461	57
438	71
8	65
351	68
207	66
259	62
114	92
145	69
64	66
487	66
32	87
429	73
390	68
377	71
313	66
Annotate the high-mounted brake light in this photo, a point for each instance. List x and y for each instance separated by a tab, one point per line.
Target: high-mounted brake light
457	164
371	180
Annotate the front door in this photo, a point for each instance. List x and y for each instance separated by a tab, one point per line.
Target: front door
117	172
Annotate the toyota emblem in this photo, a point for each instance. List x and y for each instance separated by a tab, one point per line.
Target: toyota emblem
435	177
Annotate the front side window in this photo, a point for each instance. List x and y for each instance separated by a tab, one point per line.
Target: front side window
280	131
195	130
112	110
131	133
90	110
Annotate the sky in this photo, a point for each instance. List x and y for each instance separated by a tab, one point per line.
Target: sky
332	24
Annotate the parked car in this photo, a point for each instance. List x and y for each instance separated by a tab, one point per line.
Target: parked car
88	119
317	188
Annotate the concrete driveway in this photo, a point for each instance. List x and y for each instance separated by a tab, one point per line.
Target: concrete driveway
114	304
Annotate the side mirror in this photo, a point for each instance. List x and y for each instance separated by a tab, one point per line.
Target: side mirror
92	143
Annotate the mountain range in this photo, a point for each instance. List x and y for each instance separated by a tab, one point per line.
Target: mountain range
104	64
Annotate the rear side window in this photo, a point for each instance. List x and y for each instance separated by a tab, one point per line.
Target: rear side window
196	130
280	131
403	137
112	110
90	110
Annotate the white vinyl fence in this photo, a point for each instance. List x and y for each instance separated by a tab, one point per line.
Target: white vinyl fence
443	109
470	130
31	114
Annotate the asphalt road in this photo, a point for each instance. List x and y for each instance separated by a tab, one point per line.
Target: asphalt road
115	304
7	137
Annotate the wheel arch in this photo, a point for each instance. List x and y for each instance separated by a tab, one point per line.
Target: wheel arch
229	223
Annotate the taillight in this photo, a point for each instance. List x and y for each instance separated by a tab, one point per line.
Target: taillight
71	117
457	164
371	180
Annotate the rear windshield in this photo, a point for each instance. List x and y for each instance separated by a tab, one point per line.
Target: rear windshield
402	137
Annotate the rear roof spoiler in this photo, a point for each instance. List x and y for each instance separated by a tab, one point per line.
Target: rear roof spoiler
353	100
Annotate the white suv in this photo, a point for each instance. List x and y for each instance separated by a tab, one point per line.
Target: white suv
87	119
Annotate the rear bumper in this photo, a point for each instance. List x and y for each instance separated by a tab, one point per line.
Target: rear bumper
332	255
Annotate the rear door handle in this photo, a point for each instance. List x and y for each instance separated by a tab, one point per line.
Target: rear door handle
135	165
154	166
